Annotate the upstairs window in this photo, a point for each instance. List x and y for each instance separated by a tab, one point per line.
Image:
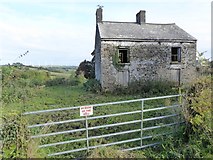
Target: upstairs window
123	55
176	54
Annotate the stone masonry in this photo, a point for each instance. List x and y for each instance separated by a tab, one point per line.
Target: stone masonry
148	61
149	58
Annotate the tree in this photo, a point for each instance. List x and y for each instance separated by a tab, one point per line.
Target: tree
201	59
87	69
203	64
17	64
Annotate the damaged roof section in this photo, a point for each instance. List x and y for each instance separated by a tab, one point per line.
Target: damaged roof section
133	31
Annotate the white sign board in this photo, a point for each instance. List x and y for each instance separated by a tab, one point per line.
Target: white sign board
86	110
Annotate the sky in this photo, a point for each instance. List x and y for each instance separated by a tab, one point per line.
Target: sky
62	32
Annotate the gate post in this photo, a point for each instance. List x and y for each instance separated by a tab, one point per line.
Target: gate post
87	133
180	101
142	106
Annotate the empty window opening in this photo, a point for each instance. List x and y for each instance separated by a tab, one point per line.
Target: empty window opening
123	56
176	54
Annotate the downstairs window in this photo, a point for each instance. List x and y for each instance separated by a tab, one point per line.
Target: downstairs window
123	55
176	54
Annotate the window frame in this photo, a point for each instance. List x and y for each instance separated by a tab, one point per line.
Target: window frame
177	55
120	54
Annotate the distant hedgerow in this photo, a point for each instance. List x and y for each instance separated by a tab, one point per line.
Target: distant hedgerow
62	82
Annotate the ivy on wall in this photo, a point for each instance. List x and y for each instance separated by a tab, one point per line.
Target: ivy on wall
115	60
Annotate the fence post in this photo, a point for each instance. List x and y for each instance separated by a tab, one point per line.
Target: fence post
180	96
142	105
87	133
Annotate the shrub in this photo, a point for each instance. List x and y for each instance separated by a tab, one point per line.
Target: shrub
62	82
93	86
81	78
196	140
13	83
74	82
15	136
198	108
19	75
37	78
147	88
55	82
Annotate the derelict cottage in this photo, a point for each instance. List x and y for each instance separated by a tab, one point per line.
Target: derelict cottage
129	51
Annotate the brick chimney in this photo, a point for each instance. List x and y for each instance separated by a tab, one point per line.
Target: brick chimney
99	14
141	17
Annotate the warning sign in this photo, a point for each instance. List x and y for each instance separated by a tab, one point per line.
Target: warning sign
86	110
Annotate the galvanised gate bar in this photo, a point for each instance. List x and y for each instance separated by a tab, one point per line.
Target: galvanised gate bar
87	129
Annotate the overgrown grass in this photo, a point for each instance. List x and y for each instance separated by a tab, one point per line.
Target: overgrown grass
23	92
27	89
114	152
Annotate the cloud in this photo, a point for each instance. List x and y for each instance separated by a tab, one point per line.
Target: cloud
63	32
44	35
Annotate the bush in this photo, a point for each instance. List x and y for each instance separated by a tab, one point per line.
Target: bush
74	82
62	82
196	140
15	136
56	82
147	88
198	108
92	85
19	75
13	82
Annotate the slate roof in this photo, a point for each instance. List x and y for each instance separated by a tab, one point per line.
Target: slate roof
146	31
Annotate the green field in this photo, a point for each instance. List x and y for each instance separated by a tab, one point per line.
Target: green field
30	89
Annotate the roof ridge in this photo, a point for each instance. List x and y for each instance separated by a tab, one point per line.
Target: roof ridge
118	22
139	24
161	23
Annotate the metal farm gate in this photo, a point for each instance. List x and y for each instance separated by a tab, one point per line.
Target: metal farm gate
130	125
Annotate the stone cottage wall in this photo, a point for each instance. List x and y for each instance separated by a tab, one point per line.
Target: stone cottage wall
148	61
97	55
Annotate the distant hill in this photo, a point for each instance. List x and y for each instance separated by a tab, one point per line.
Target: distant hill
52	68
